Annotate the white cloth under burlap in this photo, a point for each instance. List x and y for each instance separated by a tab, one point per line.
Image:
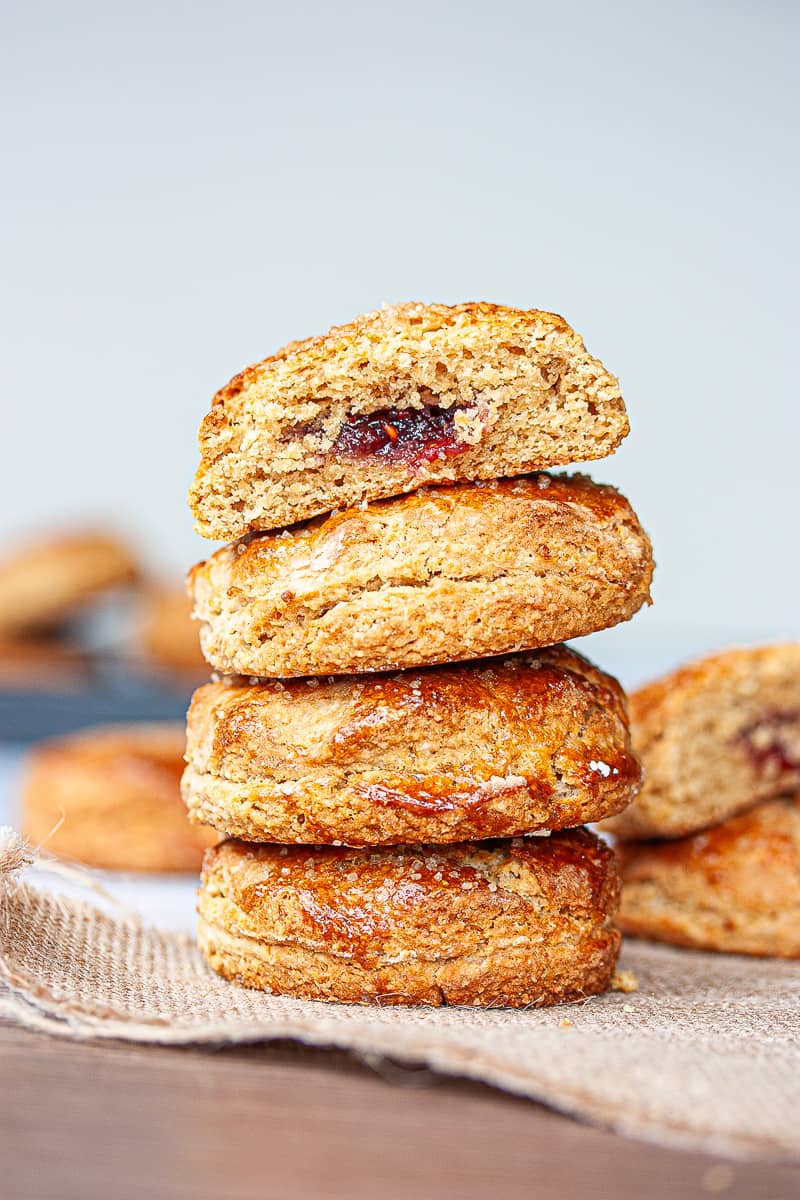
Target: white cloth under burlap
706	1054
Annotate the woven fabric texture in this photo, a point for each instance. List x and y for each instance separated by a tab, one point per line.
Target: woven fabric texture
705	1054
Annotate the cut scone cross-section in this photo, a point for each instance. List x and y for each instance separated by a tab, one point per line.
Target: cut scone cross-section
404	396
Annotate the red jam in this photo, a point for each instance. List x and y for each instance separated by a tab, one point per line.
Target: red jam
408	435
770	743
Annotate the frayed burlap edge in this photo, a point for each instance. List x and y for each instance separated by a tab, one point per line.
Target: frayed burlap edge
703	1057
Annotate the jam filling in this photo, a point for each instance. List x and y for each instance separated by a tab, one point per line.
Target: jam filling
408	435
772	743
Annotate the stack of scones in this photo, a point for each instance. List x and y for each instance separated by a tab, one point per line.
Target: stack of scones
398	749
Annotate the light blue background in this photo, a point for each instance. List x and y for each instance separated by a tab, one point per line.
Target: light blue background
187	186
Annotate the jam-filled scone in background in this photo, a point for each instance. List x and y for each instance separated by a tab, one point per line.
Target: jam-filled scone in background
715	737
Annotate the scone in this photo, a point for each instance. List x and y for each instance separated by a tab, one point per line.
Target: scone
413	394
169	637
110	797
488	749
510	923
735	887
714	737
42	664
446	574
45	583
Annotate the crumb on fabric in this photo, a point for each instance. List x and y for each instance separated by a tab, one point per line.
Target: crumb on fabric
624	981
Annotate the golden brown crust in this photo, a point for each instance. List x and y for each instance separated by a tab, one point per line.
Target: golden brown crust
110	797
307	353
448	573
510	923
169	636
714	737
517	390
490	749
735	887
45	582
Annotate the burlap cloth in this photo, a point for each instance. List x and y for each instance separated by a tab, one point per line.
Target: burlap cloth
704	1055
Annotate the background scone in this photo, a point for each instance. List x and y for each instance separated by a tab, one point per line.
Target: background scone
735	887
169	638
47	581
407	395
110	797
495	923
483	750
446	574
42	664
714	738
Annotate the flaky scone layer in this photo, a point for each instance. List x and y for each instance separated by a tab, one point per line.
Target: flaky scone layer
510	923
735	887
110	797
714	737
46	581
488	749
506	390
446	574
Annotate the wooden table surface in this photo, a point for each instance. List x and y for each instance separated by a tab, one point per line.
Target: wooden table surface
113	1120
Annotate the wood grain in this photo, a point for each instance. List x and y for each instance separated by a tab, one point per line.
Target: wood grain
90	1121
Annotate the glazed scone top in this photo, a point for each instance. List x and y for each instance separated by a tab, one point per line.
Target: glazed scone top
475	723
446	754
747	853
734	887
441	575
370	905
527	372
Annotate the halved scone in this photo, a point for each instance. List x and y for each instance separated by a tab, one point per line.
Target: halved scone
715	737
407	395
